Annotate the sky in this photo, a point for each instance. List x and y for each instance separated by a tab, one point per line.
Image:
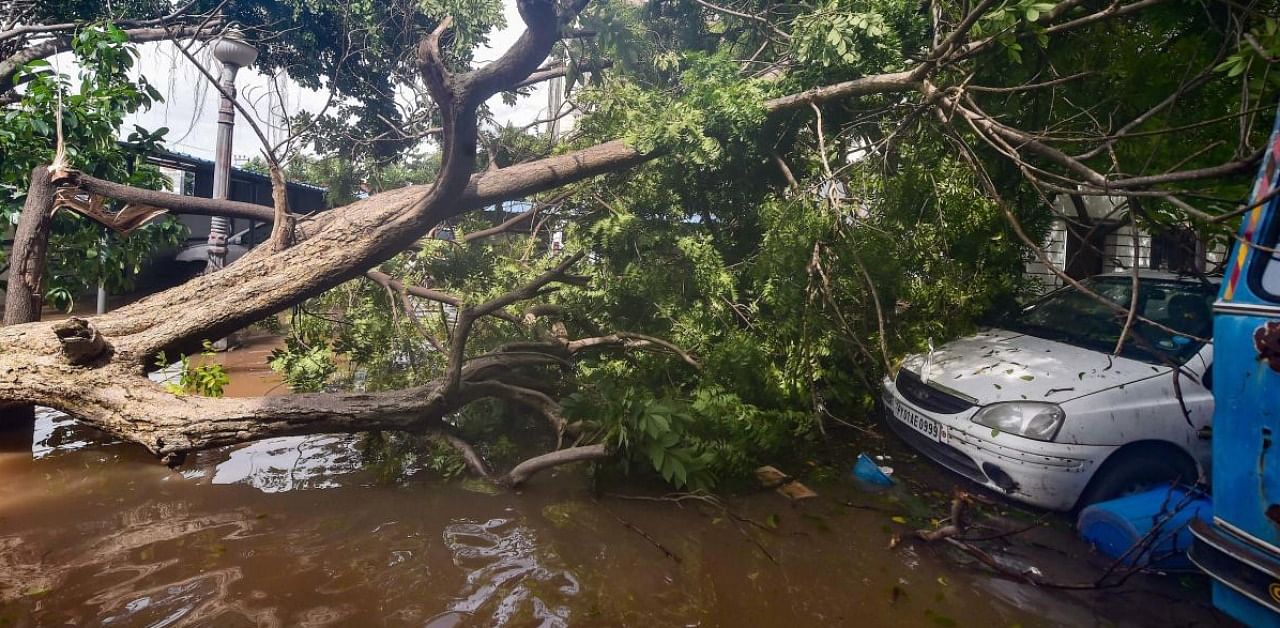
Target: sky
190	110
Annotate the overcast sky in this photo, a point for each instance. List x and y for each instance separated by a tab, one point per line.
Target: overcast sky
190	110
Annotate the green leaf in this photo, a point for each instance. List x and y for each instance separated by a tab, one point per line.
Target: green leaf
669	464
661	423
679	475
657	455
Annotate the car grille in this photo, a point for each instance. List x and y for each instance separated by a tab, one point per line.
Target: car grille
927	397
946	455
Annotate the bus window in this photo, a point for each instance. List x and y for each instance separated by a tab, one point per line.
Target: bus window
1267	263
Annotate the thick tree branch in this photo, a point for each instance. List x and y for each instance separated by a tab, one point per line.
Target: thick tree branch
631	341
527	469
122	402
176	203
467	317
535	399
10	67
473	460
559	71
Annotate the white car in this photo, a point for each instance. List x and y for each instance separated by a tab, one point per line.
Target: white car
1043	412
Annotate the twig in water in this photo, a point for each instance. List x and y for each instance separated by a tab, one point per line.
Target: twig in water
716	503
645	535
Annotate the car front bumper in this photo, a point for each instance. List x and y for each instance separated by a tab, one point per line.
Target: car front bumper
1046	475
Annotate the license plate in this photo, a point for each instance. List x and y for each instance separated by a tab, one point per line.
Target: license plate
918	422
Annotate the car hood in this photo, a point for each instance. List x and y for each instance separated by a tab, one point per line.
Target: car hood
1000	365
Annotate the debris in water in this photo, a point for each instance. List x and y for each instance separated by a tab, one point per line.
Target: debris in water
785	485
796	491
770	476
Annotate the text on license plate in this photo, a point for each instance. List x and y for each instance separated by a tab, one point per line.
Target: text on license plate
922	424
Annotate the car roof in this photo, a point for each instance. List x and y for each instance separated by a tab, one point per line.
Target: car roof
1146	273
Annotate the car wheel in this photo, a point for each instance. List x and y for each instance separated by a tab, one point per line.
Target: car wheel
1136	471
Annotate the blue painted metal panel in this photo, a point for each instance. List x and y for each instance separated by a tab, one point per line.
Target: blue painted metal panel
1246	423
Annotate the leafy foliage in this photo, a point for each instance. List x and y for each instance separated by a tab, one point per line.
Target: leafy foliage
710	107
208	379
768	286
653	431
303	368
842	33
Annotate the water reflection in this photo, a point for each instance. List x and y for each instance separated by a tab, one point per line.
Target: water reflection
291	463
166	605
507	577
271	466
57	432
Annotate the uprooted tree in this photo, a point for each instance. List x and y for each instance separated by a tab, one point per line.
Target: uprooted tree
985	88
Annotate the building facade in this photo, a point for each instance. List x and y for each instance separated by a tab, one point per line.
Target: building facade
1092	235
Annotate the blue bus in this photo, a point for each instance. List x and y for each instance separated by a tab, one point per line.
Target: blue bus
1240	548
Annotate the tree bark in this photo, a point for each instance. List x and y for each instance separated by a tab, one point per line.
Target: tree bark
282	229
30	245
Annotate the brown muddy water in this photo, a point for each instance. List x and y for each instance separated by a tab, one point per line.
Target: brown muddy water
300	532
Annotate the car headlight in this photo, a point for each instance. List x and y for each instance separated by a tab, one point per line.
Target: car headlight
1029	419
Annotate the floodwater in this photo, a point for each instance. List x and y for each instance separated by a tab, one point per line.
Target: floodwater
303	532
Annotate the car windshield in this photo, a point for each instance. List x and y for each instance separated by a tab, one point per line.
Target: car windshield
1075	318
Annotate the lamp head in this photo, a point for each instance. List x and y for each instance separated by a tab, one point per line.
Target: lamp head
233	50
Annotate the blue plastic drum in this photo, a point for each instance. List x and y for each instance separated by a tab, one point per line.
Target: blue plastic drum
1147	529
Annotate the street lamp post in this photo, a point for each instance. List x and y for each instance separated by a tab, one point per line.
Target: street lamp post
234	53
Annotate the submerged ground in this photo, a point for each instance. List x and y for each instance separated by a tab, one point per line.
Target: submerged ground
300	531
